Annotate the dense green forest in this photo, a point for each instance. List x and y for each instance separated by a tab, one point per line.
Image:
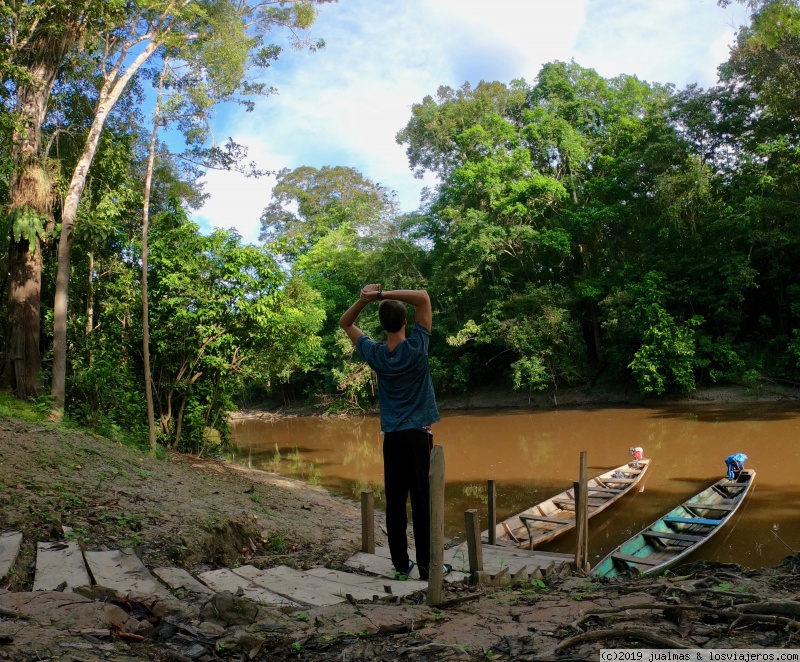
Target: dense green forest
582	228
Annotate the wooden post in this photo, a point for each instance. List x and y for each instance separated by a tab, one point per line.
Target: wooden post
582	518
436	567
492	514
367	522
473	527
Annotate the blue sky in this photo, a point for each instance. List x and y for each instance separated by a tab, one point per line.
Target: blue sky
344	104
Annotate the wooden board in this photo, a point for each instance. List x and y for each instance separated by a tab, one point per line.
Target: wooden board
179	580
302	587
10	542
122	571
59	563
224	580
375	585
378	565
526	553
497	558
455	576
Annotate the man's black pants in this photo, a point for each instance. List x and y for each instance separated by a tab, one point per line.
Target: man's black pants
406	460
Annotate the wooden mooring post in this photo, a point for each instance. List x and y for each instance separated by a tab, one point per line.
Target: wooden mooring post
472	522
492	514
436	567
368	522
582	518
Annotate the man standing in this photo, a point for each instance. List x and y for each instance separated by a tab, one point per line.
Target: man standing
408	408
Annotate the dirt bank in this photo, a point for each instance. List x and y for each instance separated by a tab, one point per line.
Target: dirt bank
179	510
200	514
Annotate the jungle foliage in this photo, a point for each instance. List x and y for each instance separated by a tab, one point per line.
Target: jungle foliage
582	228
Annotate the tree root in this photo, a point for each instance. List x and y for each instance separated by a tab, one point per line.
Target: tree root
751	613
627	633
10	613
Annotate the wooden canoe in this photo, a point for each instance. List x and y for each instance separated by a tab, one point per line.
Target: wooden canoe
556	515
680	532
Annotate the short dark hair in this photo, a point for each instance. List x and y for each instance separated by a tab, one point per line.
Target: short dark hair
392	314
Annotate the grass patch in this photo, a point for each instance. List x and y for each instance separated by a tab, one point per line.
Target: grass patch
34	410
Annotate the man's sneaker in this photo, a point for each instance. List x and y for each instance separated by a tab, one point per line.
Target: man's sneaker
423	574
403	576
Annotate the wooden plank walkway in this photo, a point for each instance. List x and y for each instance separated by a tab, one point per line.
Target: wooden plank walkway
63	566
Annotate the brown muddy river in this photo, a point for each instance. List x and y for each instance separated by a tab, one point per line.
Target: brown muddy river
533	455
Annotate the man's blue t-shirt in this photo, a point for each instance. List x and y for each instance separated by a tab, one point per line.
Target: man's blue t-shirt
405	390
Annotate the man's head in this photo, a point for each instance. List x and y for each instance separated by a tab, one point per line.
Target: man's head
392	315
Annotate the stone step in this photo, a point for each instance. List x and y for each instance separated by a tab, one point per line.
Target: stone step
57	564
375	585
122	571
306	589
10	543
226	580
179	579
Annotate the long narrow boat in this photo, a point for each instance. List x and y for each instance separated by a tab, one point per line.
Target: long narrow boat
680	532
556	515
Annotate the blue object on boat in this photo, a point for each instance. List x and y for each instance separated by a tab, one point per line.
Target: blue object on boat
735	464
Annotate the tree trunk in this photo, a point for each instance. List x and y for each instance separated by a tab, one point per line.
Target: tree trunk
109	96
179	421
23	359
148	183
30	190
90	296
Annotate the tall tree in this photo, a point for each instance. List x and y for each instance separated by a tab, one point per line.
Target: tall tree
37	37
124	45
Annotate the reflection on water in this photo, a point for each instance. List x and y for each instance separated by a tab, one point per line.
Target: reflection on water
533	455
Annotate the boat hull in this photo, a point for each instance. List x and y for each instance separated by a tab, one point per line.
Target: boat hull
680	532
555	516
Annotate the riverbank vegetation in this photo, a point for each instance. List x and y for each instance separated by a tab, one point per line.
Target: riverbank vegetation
582	229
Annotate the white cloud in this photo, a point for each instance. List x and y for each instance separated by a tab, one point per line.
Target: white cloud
345	104
661	41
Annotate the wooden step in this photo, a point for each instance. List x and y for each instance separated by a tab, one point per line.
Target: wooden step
301	587
179	580
381	566
453	577
376	585
664	535
617	556
10	543
224	580
57	564
122	571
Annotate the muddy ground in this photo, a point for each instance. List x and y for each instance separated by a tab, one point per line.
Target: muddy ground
201	514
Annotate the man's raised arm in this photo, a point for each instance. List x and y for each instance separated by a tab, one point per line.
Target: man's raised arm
417	298
348	320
